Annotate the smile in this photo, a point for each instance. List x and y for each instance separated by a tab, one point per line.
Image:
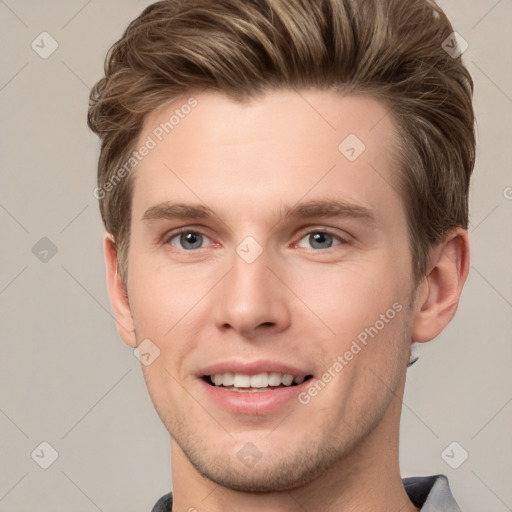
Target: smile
265	381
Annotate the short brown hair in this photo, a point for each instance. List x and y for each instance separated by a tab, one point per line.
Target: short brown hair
389	49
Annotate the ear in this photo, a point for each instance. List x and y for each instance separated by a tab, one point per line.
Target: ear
438	295
118	295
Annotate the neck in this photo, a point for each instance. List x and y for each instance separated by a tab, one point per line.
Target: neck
365	480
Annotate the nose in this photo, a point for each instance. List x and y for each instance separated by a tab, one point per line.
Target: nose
252	299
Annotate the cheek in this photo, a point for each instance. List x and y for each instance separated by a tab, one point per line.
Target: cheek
361	311
168	306
350	295
161	297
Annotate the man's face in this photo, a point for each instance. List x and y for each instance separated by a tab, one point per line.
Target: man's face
247	290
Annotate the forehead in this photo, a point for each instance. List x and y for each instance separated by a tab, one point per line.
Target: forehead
279	147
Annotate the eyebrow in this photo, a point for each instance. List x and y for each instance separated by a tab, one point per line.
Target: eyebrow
332	208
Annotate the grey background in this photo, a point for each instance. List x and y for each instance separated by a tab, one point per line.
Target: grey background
67	379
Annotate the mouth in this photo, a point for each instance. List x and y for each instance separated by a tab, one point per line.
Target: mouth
253	388
260	382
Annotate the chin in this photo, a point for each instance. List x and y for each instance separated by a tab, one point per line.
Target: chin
264	472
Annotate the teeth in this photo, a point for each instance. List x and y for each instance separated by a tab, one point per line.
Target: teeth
227	379
274	379
240	380
261	380
287	380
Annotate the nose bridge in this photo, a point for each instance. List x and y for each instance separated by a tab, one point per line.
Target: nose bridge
250	295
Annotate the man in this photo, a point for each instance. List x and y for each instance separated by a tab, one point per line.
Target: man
284	186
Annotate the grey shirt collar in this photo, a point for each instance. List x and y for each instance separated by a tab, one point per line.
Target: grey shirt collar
429	493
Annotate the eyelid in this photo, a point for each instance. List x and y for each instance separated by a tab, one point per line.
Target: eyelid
344	239
166	239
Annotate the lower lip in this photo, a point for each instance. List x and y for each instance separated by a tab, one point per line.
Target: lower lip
253	402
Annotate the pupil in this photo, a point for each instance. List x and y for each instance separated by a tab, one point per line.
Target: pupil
322	238
192	239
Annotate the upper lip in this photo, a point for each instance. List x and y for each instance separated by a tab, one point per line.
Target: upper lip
252	368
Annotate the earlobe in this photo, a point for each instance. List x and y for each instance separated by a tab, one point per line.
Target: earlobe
118	296
439	295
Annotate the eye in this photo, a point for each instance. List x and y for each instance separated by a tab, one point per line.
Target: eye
321	240
187	240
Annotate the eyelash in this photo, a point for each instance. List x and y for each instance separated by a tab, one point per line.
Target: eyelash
174	234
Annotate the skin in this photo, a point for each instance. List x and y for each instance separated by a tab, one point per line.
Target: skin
298	302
